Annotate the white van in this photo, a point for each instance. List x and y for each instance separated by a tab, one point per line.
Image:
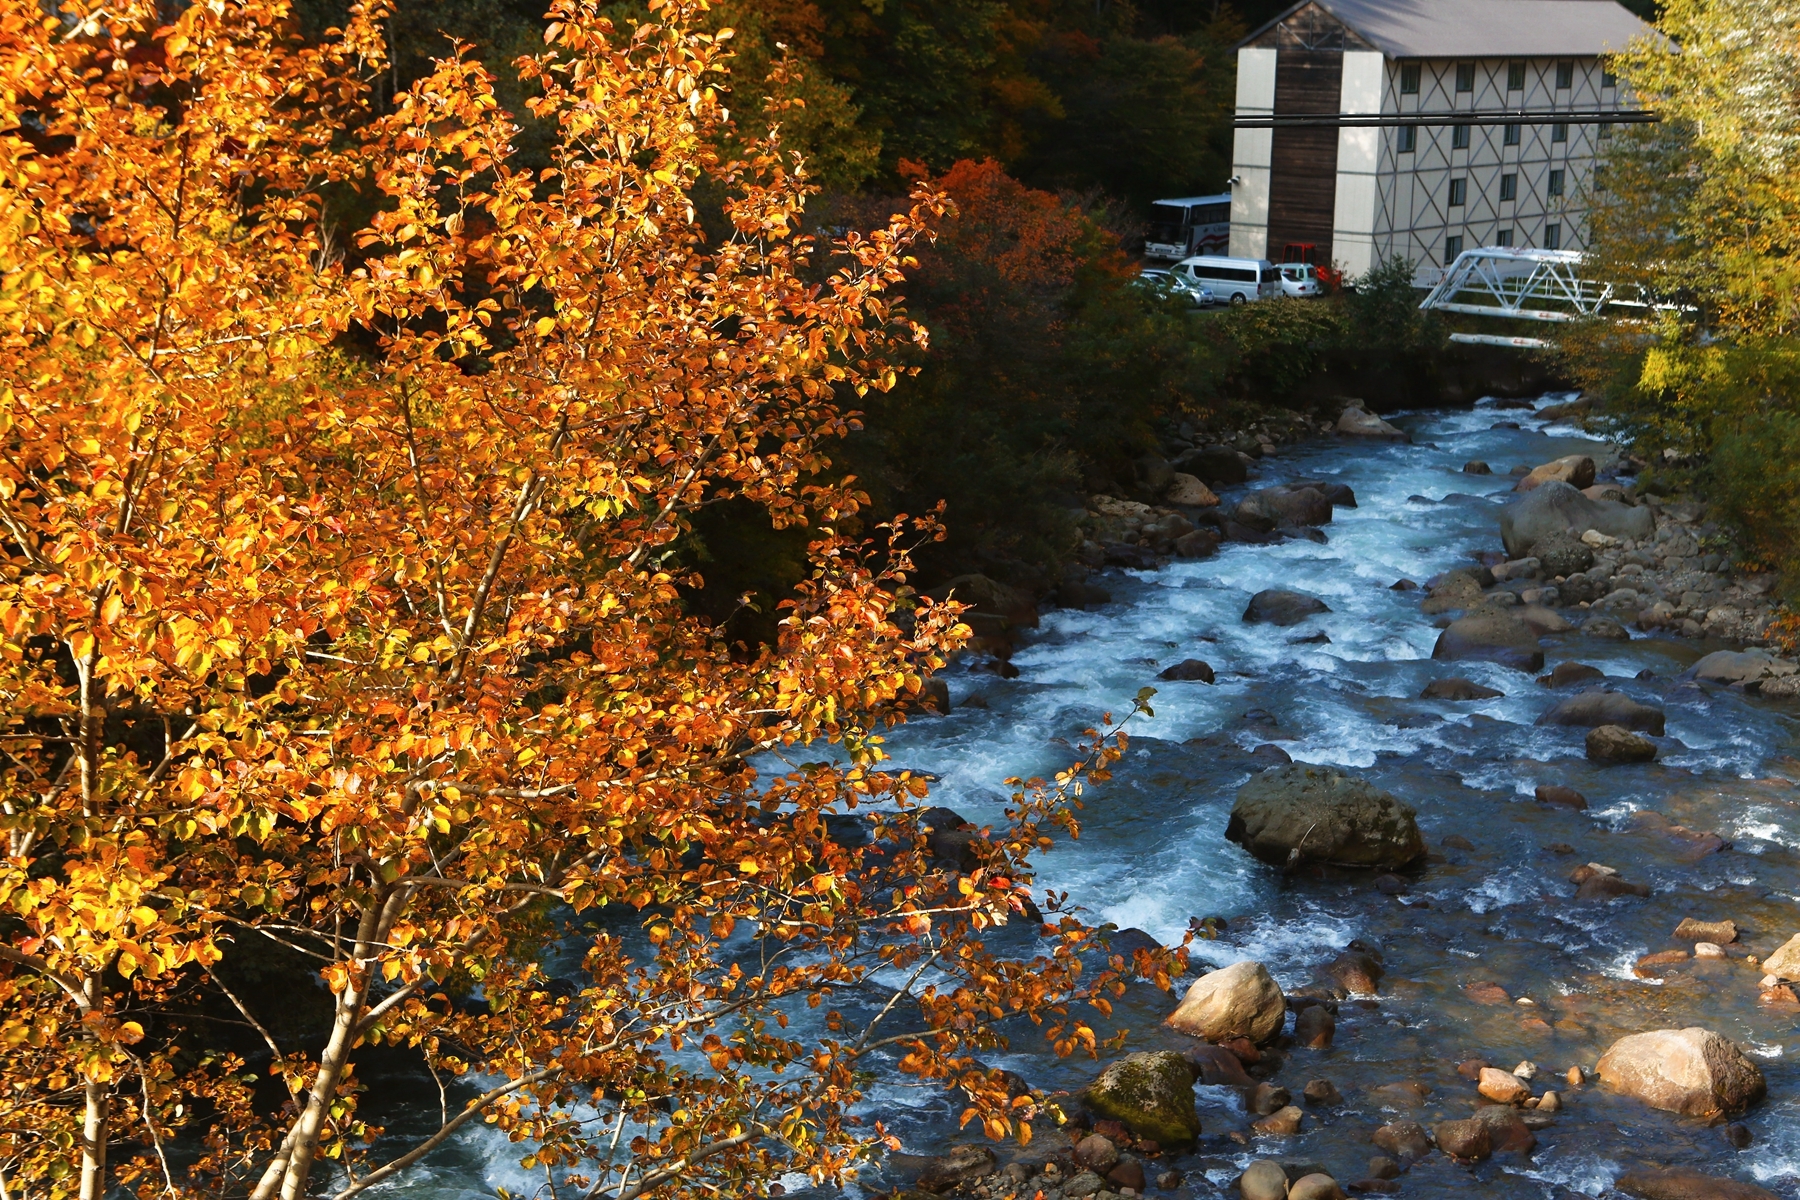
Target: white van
1234	280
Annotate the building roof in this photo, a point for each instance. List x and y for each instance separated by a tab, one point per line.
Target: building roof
1483	28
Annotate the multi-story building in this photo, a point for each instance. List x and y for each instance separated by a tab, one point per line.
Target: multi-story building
1337	147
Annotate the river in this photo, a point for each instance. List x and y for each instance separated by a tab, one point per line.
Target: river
1495	906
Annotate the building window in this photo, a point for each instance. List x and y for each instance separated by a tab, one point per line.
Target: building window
1503	238
1408	141
1553	237
1509	187
1515	77
1512	134
1600	179
1609	79
1459	191
1452	248
1559	132
1465	77
1556	183
1459	137
1565	76
1409	79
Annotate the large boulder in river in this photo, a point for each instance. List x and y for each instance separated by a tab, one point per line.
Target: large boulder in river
990	597
1491	637
1597	707
1558	507
1305	814
1616	744
1275	606
1576	470
1694	1072
1285	506
1241	1000
1151	1094
1359	423
1685	1183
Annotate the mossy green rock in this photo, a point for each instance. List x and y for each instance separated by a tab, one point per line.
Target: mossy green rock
1152	1094
1305	814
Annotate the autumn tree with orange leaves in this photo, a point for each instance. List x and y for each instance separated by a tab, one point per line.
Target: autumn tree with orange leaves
343	620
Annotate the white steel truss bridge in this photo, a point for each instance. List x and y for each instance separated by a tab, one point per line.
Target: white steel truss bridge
1530	285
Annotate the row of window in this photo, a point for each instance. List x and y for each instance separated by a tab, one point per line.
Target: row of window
1408	139
1453	245
1509	188
1515	77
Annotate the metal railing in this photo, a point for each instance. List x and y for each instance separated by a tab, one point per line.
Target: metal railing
1531	285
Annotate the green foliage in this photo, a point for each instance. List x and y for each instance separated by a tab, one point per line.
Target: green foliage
1699	211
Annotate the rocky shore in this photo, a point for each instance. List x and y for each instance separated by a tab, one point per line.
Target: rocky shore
1579	551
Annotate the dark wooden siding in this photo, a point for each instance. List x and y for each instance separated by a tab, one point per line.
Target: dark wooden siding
1303	161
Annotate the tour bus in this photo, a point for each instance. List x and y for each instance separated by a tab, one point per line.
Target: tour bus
1182	228
1233	280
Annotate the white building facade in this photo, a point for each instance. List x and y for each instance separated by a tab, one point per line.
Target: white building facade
1359	194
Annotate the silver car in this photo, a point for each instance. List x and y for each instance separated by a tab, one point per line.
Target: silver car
1169	283
1300	279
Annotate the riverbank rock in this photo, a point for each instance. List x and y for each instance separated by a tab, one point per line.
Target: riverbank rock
1196	543
1188	492
1730	667
1215	1066
1458	689
1274	606
1558	796
1616	744
1189	669
1360	423
1598	707
1317	1186
1785	962
960	1165
1491	637
1263	1180
1562	553
1283	1122
1685	1183
1596	882
1465	1141
1564	674
1576	470
1241	1000
1405	1140
1284	506
1151	1094
1314	1028
1215	465
1558	507
1694	1072
1502	1087
1300	813
1721	933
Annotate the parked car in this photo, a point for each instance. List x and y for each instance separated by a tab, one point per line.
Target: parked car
1170	284
1301	279
1236	280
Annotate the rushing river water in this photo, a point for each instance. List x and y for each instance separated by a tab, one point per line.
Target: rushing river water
1152	852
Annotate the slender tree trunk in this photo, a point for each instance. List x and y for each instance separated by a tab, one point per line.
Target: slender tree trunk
293	1165
93	1140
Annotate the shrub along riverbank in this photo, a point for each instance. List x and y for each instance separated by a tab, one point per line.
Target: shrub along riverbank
1051	374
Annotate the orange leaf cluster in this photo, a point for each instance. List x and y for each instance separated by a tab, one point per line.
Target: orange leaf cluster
341	620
